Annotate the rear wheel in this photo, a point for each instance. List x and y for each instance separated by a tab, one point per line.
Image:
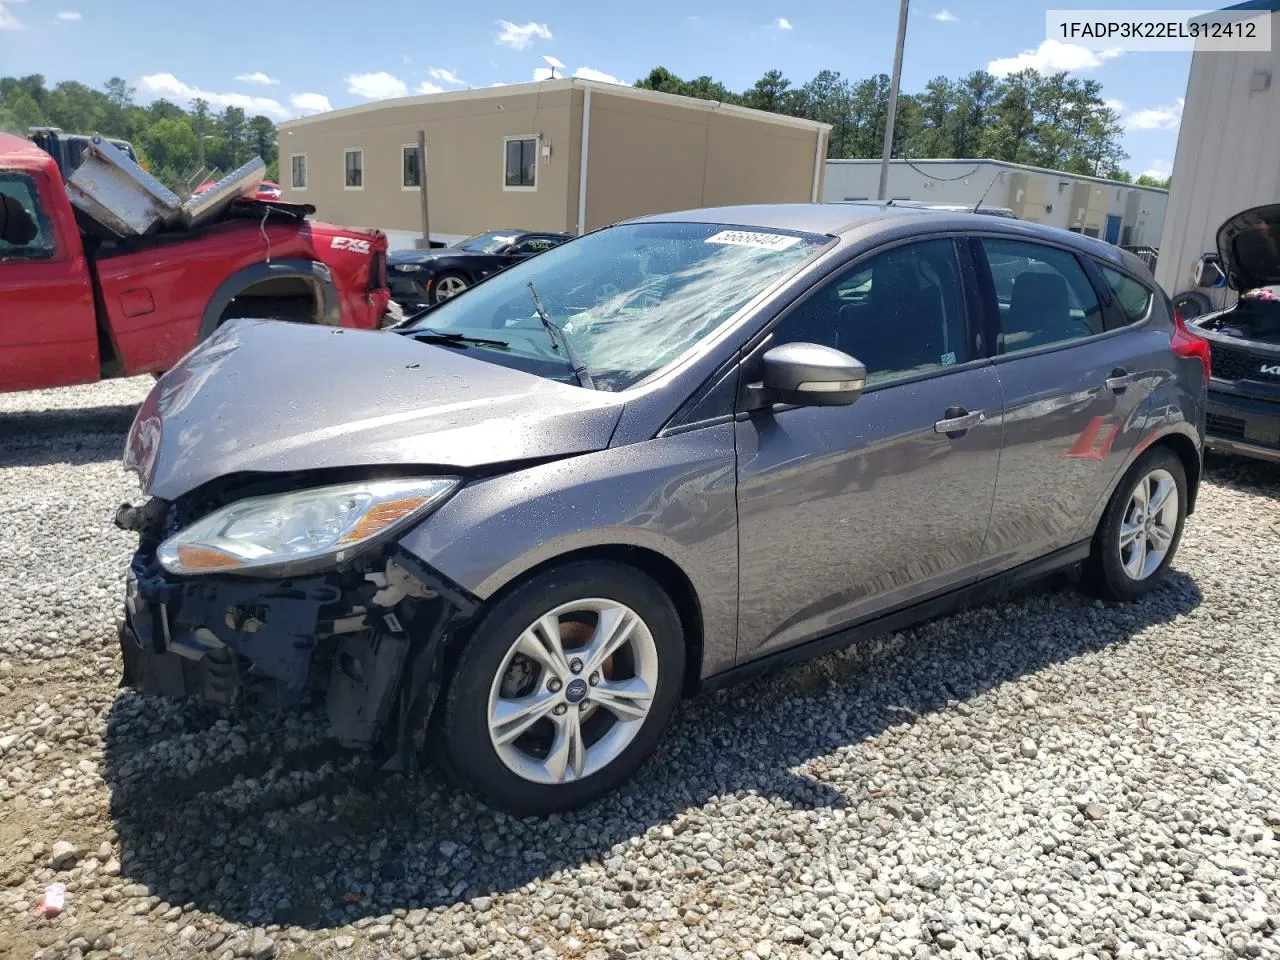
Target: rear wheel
563	689
448	284
1140	530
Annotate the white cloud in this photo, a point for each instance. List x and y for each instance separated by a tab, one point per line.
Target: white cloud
69	15
260	79
518	36
782	23
1110	54
1117	105
167	85
406	58
497	83
446	76
590	73
1159	169
542	73
311	102
944	16
1157	118
8	21
1051	56
426	86
376	86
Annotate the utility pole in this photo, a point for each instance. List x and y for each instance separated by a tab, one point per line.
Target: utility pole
422	189
893	102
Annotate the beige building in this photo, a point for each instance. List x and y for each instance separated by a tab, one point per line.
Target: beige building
1121	213
564	154
1228	156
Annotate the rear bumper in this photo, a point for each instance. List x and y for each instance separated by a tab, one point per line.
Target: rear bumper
1243	425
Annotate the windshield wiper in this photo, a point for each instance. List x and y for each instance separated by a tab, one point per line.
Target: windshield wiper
556	334
426	335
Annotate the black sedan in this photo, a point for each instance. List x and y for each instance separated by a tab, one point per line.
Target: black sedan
420	278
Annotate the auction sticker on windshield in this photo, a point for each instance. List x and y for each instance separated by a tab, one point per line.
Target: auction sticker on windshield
746	238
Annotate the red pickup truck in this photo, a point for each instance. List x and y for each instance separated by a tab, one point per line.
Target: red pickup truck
76	307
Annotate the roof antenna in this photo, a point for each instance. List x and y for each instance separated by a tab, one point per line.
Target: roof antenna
986	191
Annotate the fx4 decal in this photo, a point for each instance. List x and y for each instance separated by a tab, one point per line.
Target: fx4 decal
350	243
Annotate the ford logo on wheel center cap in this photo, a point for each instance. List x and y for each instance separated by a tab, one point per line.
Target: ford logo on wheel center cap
576	690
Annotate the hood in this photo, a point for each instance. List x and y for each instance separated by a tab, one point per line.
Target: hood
263	395
422	256
1249	245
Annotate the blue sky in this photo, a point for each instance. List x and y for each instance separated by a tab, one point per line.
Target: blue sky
337	54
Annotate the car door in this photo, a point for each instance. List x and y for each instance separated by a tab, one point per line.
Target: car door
48	330
1073	392
845	512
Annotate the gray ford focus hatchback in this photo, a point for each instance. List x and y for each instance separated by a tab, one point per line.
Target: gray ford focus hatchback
515	529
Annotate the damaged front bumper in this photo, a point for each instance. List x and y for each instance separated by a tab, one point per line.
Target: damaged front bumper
367	641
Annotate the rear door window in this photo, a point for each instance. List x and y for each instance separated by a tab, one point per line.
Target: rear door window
1044	296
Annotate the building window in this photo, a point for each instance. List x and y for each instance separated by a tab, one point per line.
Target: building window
298	171
354	169
521	168
410	169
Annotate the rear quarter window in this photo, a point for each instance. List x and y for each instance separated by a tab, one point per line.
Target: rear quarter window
1133	298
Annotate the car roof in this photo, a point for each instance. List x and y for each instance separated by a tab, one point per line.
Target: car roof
841	218
828	218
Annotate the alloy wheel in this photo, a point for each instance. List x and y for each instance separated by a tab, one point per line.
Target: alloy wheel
1149	524
449	287
573	691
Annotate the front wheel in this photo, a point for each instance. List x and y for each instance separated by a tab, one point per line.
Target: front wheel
563	689
448	285
1140	530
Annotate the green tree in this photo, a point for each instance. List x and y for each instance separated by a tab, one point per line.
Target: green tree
770	93
1145	180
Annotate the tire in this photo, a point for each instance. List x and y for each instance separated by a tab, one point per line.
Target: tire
450	280
528	775
1112	570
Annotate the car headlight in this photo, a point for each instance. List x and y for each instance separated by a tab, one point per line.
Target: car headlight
409	267
321	525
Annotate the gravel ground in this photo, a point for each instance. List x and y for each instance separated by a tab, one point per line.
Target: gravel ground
1048	777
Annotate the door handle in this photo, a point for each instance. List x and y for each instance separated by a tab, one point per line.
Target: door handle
1120	379
958	421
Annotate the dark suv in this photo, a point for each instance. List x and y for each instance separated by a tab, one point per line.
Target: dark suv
1244	392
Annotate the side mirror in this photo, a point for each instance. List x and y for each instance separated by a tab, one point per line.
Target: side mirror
809	374
1209	272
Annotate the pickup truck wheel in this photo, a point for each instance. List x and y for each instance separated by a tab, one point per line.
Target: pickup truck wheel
563	689
448	284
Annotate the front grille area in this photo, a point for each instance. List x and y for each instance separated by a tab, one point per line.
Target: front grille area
1228	363
1228	428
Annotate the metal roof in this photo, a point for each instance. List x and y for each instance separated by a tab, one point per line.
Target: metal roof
561	83
1005	164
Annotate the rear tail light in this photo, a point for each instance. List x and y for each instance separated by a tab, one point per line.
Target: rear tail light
1187	343
378	271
